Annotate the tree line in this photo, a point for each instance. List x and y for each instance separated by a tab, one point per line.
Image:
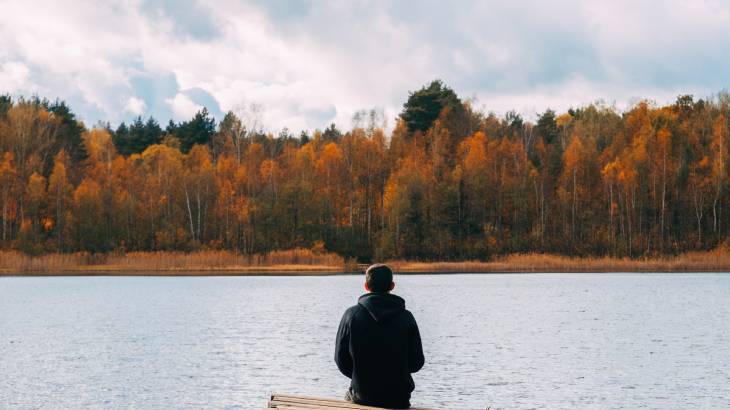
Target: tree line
449	182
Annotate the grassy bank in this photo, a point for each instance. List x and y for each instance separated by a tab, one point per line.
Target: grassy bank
707	261
294	261
307	262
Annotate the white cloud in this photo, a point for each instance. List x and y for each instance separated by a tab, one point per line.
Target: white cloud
308	64
135	106
182	106
14	77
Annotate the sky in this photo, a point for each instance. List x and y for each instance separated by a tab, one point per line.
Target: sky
305	64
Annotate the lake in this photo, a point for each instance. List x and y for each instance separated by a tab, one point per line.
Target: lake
508	341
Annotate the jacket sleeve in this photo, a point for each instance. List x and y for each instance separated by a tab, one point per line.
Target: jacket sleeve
415	350
342	346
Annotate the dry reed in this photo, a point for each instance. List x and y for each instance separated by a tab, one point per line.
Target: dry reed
13	262
305	260
706	261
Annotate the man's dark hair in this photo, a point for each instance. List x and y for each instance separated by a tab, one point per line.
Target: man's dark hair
379	277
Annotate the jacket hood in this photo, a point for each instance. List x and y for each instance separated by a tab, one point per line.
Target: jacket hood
382	306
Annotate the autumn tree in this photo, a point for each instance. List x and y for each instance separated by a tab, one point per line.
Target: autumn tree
719	153
579	176
164	196
9	185
448	182
199	190
60	193
88	218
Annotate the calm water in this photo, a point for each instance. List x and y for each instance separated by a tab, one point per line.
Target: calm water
509	341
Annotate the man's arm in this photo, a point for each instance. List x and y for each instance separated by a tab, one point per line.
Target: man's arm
342	346
415	350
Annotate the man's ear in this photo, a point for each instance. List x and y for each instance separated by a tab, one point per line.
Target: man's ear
367	288
392	285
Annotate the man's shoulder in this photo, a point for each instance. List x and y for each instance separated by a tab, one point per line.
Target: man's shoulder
409	317
352	310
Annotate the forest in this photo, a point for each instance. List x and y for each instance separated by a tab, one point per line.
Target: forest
448	183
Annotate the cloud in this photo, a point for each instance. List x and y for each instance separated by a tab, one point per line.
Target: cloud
182	106
135	106
309	63
14	76
183	17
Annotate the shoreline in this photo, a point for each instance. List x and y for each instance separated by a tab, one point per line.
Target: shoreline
223	273
247	271
224	264
176	273
306	272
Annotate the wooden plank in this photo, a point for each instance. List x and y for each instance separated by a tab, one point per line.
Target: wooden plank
318	402
296	398
292	397
322	402
276	404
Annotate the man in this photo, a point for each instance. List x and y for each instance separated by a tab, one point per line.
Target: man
378	345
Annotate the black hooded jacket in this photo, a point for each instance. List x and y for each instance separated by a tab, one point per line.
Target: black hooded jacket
378	347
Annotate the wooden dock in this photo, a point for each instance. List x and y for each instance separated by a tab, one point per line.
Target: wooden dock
290	402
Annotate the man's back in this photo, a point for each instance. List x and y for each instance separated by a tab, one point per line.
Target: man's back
378	347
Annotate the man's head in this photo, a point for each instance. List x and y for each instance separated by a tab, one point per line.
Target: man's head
379	278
